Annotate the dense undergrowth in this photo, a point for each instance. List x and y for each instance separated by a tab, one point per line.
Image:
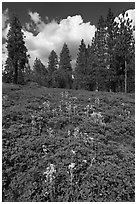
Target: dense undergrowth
67	145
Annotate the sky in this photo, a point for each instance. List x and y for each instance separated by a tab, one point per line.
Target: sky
48	25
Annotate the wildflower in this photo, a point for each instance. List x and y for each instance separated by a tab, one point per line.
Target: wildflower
45	193
66	94
87	108
85	134
91	107
97	118
73	152
54	111
50	170
85	161
62	94
69	132
76	131
50	131
46	105
97	101
74	108
60	110
4	98
91	138
71	166
44	149
33	122
92	162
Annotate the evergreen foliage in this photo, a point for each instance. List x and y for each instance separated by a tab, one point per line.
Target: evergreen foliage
52	67
64	73
81	67
107	64
124	51
40	73
17	52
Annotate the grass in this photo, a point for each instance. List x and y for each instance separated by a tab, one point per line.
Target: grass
55	152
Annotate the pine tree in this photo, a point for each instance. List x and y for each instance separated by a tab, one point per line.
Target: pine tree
8	70
65	68
81	67
52	67
110	41
100	51
124	49
17	51
53	62
92	74
40	72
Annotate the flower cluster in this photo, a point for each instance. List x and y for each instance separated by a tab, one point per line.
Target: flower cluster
4	98
46	105
76	132
50	132
97	118
71	167
97	101
50	173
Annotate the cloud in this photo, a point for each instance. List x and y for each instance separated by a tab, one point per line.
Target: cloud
35	17
4	53
5	18
5	29
5	23
52	36
131	16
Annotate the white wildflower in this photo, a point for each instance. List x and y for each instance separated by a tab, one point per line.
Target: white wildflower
76	131
50	131
71	166
50	170
85	161
97	101
69	132
73	152
44	149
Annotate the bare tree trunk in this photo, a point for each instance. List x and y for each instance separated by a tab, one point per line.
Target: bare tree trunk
97	85
125	76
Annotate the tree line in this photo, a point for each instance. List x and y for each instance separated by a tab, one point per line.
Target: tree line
106	64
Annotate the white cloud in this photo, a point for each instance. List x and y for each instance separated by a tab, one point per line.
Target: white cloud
4	53
5	18
131	16
35	17
53	35
5	29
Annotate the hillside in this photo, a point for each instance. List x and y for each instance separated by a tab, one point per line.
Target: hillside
66	145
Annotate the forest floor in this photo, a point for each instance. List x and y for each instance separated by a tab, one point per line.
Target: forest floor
67	145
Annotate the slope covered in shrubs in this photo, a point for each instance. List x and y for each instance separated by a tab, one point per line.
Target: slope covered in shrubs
67	145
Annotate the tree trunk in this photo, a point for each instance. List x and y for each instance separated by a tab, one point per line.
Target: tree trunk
15	79
125	76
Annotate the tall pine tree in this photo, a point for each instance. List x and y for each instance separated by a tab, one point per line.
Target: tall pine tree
100	51
40	72
65	69
52	67
124	50
81	67
17	51
111	41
